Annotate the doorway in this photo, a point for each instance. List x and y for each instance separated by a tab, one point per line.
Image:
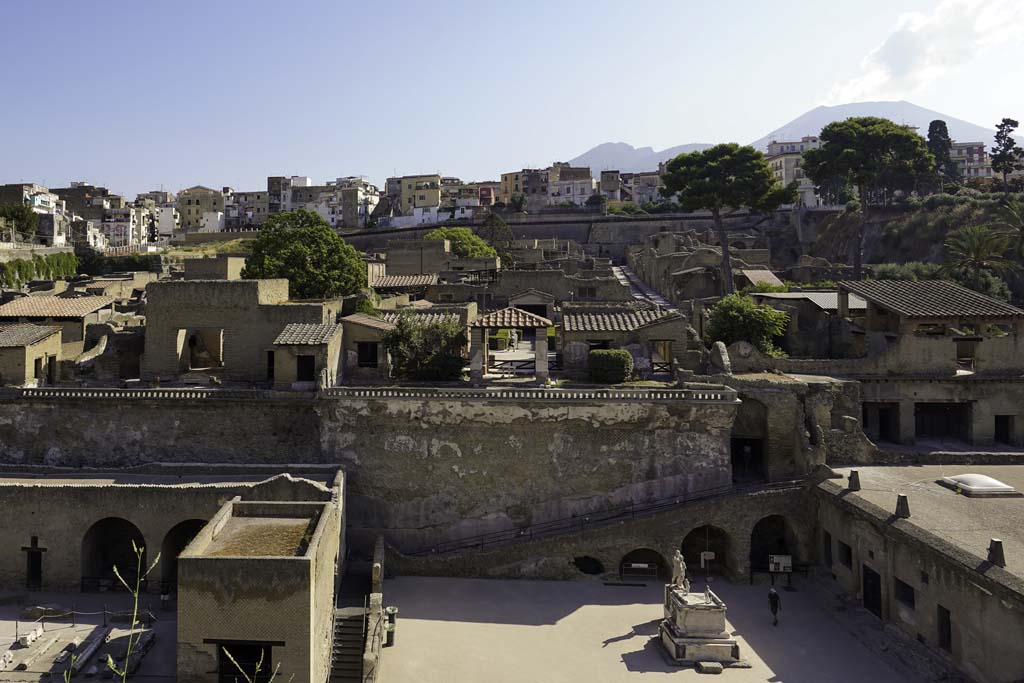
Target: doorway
34	565
270	366
248	657
305	368
942	421
1004	429
944	624
872	591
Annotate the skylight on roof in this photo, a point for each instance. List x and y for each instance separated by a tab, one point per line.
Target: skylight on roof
978	486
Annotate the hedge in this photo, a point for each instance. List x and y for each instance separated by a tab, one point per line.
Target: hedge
610	366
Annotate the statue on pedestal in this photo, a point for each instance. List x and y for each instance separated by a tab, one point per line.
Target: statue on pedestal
679	572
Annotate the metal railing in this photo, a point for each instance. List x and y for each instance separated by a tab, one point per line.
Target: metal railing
595	519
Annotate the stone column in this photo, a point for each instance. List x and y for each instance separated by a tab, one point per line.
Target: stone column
476	355
908	425
541	355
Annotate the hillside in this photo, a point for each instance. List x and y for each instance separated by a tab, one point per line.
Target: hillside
624	157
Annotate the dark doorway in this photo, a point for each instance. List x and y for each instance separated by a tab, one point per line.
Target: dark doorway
826	547
643	563
37	368
248	657
34	565
270	366
108	543
882	421
305	368
174	542
872	591
536	309
51	370
771	536
942	421
1004	429
747	456
707	538
944	624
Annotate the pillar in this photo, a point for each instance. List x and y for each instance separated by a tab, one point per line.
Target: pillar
908	425
541	355
476	350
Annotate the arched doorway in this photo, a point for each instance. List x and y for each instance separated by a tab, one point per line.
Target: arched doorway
707	538
643	563
174	542
108	543
773	535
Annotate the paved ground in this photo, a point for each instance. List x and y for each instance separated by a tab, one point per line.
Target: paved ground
468	630
158	665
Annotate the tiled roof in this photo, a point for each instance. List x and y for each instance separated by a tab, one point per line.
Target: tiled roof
306	333
826	301
53	306
426	317
368	321
510	317
400	281
610	321
929	299
760	276
25	334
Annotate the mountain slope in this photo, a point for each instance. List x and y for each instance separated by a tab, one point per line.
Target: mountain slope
813	121
625	157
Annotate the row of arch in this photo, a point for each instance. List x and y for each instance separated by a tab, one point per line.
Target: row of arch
771	535
112	541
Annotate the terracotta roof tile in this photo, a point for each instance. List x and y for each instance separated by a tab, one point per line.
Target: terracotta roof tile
608	321
53	306
400	281
929	299
510	317
306	333
426	316
368	321
25	334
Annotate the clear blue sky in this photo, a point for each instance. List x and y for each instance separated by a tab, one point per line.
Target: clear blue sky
139	94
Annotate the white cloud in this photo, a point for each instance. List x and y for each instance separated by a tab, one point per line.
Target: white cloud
923	48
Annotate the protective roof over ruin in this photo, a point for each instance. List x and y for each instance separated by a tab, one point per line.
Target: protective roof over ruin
368	321
930	299
12	336
761	276
295	334
826	301
54	306
402	281
510	317
612	321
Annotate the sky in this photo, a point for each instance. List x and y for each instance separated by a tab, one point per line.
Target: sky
142	95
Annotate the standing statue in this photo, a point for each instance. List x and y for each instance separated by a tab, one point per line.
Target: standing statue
679	572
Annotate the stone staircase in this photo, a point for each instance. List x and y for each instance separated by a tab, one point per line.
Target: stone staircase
347	650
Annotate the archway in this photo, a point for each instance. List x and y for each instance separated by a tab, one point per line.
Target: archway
174	542
708	538
643	563
108	543
773	535
749	438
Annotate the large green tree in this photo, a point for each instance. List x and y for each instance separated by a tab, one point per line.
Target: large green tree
463	242
941	145
301	246
22	218
426	351
1007	157
724	177
739	318
878	156
978	248
1011	218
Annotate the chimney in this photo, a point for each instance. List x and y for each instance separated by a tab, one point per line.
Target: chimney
902	506
995	553
854	484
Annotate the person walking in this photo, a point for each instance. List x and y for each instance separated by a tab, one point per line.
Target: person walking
774	604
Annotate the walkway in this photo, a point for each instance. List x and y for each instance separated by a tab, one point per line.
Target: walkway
568	631
641	292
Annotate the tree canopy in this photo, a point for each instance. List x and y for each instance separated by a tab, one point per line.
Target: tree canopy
1007	157
978	248
464	243
722	177
301	246
24	220
878	156
426	351
739	318
941	145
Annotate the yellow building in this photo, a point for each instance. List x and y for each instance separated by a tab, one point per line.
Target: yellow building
510	185
194	202
420	191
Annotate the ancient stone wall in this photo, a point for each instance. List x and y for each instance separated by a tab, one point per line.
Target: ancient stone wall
418	468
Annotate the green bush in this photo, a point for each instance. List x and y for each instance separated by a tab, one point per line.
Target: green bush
426	351
610	366
52	266
738	318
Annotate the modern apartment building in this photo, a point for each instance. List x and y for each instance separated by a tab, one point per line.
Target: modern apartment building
194	202
786	160
972	159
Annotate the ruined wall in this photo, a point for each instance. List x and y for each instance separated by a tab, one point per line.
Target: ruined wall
422	469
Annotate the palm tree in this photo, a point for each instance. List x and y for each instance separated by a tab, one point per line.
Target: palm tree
1011	218
977	248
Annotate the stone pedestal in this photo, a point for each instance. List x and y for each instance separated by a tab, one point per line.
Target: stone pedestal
694	629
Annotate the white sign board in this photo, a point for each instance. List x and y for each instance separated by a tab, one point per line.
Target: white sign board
780	563
705	556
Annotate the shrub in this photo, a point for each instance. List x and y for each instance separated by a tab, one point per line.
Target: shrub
610	366
464	243
426	351
738	318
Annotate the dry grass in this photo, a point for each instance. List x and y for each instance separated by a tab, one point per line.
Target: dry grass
260	537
